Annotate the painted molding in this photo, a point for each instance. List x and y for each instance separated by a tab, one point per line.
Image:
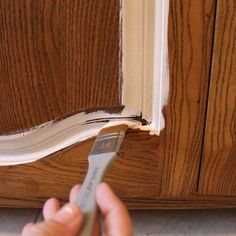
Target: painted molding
54	136
145	89
145	59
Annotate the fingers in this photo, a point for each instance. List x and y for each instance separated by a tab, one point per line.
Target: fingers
69	215
74	192
49	228
27	228
116	218
50	208
52	205
66	221
73	195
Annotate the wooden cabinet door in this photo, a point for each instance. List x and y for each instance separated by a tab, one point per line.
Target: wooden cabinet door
59	57
79	56
218	170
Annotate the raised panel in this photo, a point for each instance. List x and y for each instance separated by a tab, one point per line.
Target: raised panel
57	57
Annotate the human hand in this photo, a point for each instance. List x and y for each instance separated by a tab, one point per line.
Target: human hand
67	221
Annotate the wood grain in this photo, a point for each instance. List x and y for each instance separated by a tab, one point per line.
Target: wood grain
218	172
152	172
191	25
135	177
135	203
135	174
195	202
56	58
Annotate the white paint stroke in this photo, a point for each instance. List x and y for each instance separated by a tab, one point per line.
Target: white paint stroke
145	59
161	64
51	137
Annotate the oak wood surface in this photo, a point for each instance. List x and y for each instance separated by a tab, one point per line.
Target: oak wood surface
135	174
218	172
57	57
194	202
191	25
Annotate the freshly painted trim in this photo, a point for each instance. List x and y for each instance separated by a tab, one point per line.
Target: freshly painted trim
161	64
145	89
145	59
54	136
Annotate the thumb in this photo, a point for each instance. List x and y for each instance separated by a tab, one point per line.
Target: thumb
66	221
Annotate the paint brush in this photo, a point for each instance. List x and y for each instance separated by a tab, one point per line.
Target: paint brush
104	151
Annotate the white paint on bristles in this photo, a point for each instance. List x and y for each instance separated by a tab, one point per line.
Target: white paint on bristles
144	89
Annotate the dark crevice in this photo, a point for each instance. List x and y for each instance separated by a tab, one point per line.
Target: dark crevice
38	216
207	95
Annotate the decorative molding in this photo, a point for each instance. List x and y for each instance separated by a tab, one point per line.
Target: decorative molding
54	136
145	59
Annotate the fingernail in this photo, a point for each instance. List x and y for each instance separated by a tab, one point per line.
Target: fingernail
67	213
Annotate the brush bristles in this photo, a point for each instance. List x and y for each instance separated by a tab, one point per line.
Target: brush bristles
114	129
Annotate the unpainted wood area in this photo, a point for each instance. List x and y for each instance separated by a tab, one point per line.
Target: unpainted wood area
135	174
193	202
218	172
57	57
191	25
